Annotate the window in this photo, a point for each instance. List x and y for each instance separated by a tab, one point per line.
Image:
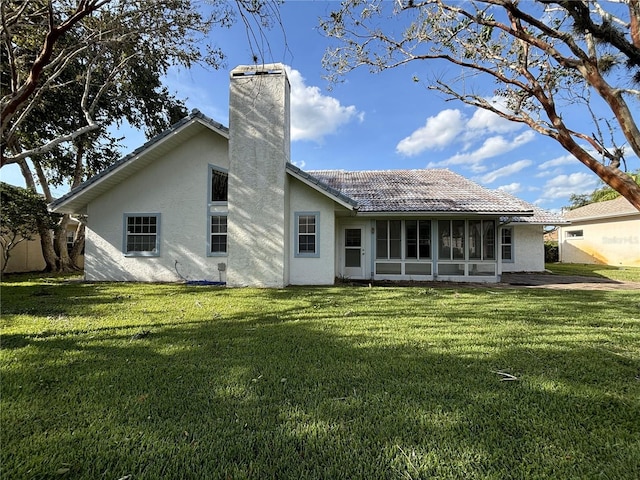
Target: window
219	183
71	237
307	224
506	242
141	234
218	234
217	211
418	239
388	239
575	233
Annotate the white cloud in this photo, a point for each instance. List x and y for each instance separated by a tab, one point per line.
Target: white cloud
505	171
438	132
314	115
451	128
492	147
558	162
299	163
511	188
562	186
487	120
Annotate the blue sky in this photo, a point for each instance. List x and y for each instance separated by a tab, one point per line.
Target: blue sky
379	121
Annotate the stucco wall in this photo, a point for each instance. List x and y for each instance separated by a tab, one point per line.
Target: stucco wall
528	249
320	270
608	242
176	187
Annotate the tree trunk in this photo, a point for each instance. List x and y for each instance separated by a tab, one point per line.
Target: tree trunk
48	253
614	177
78	246
60	246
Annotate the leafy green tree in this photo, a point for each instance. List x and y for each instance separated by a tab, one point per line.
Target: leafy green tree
601	194
544	59
21	212
71	69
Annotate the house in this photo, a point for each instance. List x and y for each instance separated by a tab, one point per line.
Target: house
604	232
206	202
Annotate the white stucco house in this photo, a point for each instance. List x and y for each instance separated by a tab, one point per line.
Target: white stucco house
601	233
204	202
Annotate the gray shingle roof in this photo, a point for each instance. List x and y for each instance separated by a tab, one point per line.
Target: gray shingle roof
412	191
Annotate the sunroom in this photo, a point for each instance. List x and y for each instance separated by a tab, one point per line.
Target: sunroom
435	248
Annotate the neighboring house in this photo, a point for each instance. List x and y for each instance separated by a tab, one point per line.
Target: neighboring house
603	232
27	255
203	202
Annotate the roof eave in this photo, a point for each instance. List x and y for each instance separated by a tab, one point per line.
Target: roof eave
430	213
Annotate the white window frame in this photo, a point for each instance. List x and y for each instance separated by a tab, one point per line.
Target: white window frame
71	239
510	245
297	217
574	234
216	209
125	235
224	234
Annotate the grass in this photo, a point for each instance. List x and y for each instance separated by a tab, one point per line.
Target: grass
621	274
171	381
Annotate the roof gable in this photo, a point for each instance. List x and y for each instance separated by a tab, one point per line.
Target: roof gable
322	187
77	199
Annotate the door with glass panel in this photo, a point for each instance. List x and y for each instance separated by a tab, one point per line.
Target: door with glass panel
353	258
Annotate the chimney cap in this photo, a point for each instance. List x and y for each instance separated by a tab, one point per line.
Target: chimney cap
262	69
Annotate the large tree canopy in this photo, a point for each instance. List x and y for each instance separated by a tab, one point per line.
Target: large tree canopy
86	50
70	69
550	65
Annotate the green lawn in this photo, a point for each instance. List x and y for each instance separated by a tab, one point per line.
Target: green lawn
170	381
624	274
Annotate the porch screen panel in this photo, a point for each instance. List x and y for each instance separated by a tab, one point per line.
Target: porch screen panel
417	239
457	239
381	239
444	239
482	240
475	239
411	229
451	239
489	239
395	239
424	238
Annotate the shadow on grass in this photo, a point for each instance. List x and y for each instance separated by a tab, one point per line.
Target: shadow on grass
313	383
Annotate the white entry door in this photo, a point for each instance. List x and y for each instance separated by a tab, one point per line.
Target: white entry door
354	252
